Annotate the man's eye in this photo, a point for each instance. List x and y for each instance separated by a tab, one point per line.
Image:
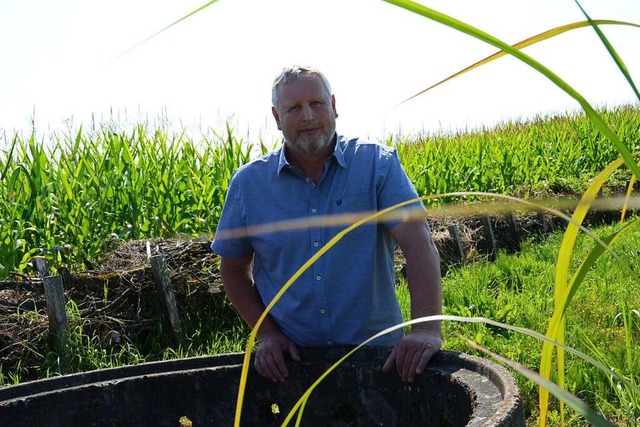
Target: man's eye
294	108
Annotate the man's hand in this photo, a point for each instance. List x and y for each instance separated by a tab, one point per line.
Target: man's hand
269	358
272	343
411	355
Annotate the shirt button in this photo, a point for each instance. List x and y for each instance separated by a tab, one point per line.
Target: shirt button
318	278
307	179
315	244
329	342
313	211
322	311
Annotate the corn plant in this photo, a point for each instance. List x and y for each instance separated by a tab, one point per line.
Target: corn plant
78	195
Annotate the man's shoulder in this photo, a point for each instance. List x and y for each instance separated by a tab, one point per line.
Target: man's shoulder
263	164
360	147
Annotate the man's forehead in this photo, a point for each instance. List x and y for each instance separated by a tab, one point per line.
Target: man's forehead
303	87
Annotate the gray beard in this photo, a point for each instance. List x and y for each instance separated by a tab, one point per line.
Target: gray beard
314	147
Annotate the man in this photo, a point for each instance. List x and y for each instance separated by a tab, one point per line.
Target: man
348	295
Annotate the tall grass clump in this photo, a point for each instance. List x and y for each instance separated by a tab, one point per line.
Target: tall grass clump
517	289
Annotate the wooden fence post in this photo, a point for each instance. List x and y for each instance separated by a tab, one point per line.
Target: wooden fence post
489	238
57	314
40	265
459	251
161	278
542	223
515	232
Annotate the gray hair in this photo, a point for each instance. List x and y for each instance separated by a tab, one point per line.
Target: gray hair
293	73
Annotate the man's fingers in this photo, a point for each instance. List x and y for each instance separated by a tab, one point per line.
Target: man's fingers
424	360
268	365
405	370
275	369
412	366
263	368
279	367
293	352
390	362
269	359
401	353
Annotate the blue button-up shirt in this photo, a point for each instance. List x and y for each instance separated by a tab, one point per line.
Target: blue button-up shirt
348	294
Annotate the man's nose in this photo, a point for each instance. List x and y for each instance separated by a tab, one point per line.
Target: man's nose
307	112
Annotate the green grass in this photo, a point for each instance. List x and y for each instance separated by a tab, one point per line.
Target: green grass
518	290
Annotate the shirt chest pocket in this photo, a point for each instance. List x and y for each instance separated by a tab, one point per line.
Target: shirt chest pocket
351	208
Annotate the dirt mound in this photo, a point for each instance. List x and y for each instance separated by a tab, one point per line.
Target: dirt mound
115	300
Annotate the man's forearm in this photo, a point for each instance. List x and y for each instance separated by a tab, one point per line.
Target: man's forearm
425	286
238	285
423	271
273	344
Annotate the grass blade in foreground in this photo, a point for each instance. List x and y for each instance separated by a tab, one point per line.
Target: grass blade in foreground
521	45
554	78
611	50
565	289
188	15
632	183
578	405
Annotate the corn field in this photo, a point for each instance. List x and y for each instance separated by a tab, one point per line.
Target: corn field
72	197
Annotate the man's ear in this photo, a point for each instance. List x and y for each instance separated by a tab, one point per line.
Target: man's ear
333	105
276	116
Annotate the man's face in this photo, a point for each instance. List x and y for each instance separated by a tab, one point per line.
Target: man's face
306	115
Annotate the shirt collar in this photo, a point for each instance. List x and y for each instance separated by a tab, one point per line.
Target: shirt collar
337	153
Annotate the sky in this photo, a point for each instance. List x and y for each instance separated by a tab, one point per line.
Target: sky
63	63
